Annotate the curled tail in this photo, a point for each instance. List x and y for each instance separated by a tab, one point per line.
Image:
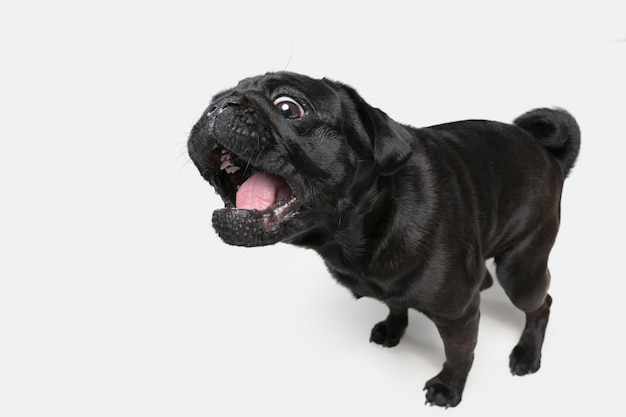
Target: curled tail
556	130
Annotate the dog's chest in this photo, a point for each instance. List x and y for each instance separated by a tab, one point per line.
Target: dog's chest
363	285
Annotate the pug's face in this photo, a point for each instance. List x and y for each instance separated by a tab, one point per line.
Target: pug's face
290	155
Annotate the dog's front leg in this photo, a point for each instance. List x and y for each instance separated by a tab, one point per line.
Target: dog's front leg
389	332
459	339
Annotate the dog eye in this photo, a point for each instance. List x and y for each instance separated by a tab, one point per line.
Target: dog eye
289	108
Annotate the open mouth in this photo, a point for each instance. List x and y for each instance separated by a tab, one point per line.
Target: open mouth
250	193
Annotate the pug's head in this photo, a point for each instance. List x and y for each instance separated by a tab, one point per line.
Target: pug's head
291	156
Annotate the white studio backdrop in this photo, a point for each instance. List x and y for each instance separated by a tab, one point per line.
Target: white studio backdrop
117	298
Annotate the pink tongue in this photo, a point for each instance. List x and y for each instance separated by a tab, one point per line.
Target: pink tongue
260	191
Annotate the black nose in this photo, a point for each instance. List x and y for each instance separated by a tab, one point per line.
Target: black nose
224	103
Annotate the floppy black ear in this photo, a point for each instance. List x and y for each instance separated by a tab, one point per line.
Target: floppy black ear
389	141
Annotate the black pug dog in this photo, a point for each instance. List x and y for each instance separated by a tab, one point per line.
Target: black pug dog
404	215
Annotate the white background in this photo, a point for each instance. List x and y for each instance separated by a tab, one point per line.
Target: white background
117	298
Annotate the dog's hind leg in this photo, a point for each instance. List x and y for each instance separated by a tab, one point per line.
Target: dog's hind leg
389	332
524	275
526	356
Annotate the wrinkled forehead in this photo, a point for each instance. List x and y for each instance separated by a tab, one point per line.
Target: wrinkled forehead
275	80
277	83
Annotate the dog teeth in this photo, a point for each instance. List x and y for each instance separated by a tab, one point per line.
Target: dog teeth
228	166
226	163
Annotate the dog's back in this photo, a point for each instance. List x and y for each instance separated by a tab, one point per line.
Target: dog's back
508	177
554	129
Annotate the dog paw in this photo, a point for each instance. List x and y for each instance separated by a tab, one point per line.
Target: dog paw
441	394
386	335
524	361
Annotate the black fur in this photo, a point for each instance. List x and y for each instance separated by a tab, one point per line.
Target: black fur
404	215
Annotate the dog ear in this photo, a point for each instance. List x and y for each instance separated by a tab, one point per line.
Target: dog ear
388	141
